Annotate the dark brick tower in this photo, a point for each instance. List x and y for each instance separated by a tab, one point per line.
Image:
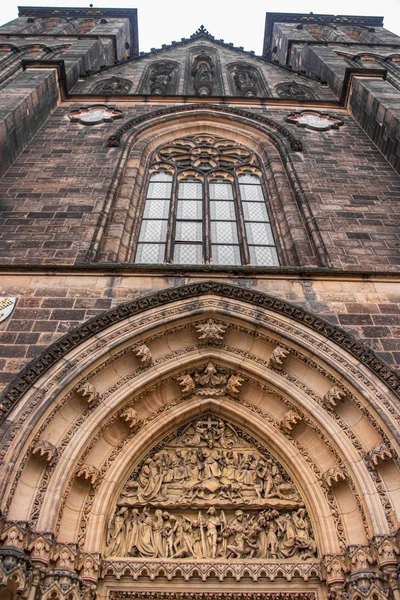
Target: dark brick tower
191	206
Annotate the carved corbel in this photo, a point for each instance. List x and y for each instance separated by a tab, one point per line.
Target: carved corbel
15	535
234	383
40	547
335	567
131	418
210	331
88	473
360	558
144	355
386	550
333	396
289	420
187	384
332	476
88	567
44	449
277	358
61	584
88	392
378	454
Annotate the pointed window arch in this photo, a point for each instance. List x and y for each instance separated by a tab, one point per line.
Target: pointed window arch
206	203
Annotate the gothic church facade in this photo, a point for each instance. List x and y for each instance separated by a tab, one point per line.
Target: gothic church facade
199	313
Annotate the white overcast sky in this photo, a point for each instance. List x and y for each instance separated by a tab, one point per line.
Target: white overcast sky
237	21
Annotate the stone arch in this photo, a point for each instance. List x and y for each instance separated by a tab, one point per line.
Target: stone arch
82	415
113	240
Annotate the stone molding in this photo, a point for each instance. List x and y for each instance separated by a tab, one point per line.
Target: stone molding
30	374
115	139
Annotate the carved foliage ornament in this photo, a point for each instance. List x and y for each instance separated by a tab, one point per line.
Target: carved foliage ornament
210	331
113	86
210	381
210	492
314	120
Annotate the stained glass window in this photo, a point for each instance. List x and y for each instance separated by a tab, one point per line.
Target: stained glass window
207	205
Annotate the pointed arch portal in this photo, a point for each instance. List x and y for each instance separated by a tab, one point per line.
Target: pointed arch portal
203	439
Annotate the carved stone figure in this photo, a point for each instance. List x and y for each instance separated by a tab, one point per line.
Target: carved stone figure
160	78
210	493
245	80
132	419
187	384
203	73
293	89
113	86
233	385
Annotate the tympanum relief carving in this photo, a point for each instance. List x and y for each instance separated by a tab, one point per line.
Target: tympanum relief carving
210	492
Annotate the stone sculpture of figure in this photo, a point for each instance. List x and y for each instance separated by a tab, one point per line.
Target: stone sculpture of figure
132	533
158	539
116	539
245	80
211	468
155	475
306	544
288	536
170	526
160	78
145	538
214	526
113	85
203	74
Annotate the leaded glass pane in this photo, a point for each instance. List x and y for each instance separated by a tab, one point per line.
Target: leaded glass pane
150	253
156	209
223	232
222	211
190	190
259	233
251	192
161	176
189	209
160	189
225	255
252	179
221	191
188	231
188	254
255	211
263	256
153	231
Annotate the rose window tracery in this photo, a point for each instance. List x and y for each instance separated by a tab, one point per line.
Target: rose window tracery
206	204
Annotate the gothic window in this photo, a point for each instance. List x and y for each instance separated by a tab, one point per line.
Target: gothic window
206	204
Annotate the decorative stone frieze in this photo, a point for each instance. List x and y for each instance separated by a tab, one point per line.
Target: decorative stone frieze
128	595
333	396
378	454
88	473
277	358
333	476
144	355
289	420
45	449
88	392
210	331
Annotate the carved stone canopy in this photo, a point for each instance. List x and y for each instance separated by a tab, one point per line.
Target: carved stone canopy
210	491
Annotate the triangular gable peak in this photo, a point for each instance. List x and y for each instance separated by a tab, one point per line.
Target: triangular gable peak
171	70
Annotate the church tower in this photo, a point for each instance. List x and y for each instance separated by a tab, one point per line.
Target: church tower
199	312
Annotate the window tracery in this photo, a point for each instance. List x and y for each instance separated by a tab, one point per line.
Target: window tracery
205	204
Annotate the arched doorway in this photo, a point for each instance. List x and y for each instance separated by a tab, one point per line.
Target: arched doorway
204	440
